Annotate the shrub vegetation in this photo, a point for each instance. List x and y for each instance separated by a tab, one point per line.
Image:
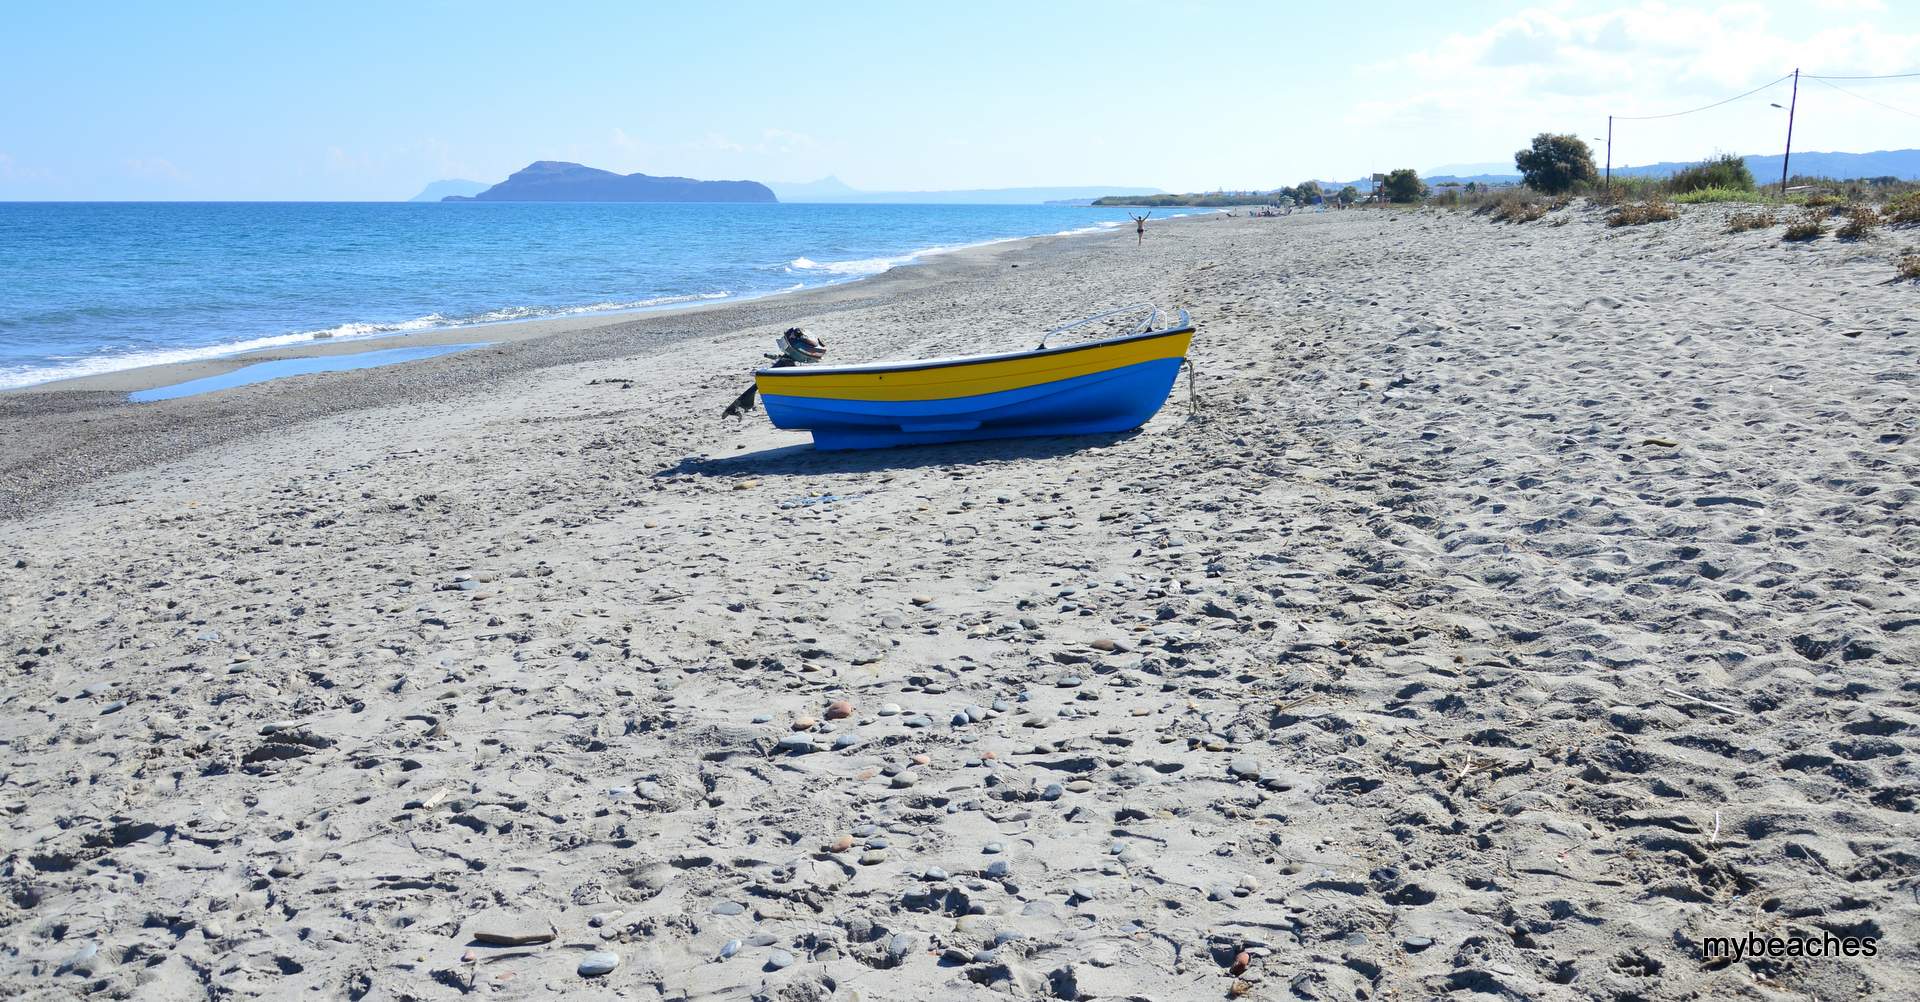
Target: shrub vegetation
1723	171
1861	222
1652	210
1903	208
1811	225
1759	219
1556	164
1627	189
1720	195
1404	185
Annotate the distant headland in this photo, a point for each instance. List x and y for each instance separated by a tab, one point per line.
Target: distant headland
451	186
832	189
555	181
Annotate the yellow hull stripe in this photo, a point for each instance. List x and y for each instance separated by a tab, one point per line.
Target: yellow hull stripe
968	379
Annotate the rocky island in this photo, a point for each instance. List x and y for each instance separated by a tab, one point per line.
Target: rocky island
555	181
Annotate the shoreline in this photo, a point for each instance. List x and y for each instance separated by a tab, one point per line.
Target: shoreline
569	318
89	419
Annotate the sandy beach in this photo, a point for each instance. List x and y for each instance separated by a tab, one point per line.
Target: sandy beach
1520	606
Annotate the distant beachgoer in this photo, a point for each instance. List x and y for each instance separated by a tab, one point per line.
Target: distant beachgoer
1140	227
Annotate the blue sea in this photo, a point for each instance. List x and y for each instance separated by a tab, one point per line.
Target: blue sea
94	287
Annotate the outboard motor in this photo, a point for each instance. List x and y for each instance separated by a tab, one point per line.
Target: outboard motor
796	347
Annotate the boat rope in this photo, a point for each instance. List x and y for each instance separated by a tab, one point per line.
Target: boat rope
1193	394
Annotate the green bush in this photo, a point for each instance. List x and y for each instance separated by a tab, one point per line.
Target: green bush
1723	171
1404	185
1555	163
1348	195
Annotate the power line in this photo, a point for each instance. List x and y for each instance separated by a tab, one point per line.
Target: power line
1885	76
1716	104
1865	98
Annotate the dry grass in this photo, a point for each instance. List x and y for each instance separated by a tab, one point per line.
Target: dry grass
1903	209
1811	225
1824	198
1625	189
1653	210
1909	265
1759	219
1861	222
1517	205
1525	212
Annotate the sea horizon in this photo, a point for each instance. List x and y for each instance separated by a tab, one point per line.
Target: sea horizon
103	286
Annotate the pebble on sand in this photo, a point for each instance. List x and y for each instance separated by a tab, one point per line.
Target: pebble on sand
505	928
595	964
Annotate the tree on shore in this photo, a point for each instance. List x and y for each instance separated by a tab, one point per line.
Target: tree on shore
1404	185
1554	164
1307	191
1349	195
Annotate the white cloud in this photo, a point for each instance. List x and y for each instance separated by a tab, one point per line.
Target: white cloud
1567	68
1654	47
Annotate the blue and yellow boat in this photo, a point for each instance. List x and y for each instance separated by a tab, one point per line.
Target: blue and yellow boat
1108	385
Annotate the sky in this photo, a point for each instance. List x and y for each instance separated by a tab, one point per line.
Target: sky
364	101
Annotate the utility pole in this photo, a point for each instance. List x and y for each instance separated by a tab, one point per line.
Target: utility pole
1609	151
1788	157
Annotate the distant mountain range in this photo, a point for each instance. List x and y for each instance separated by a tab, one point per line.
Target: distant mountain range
1903	164
1471	170
452	186
832	189
555	181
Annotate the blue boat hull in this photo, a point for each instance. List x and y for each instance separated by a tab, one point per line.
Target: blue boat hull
1114	400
